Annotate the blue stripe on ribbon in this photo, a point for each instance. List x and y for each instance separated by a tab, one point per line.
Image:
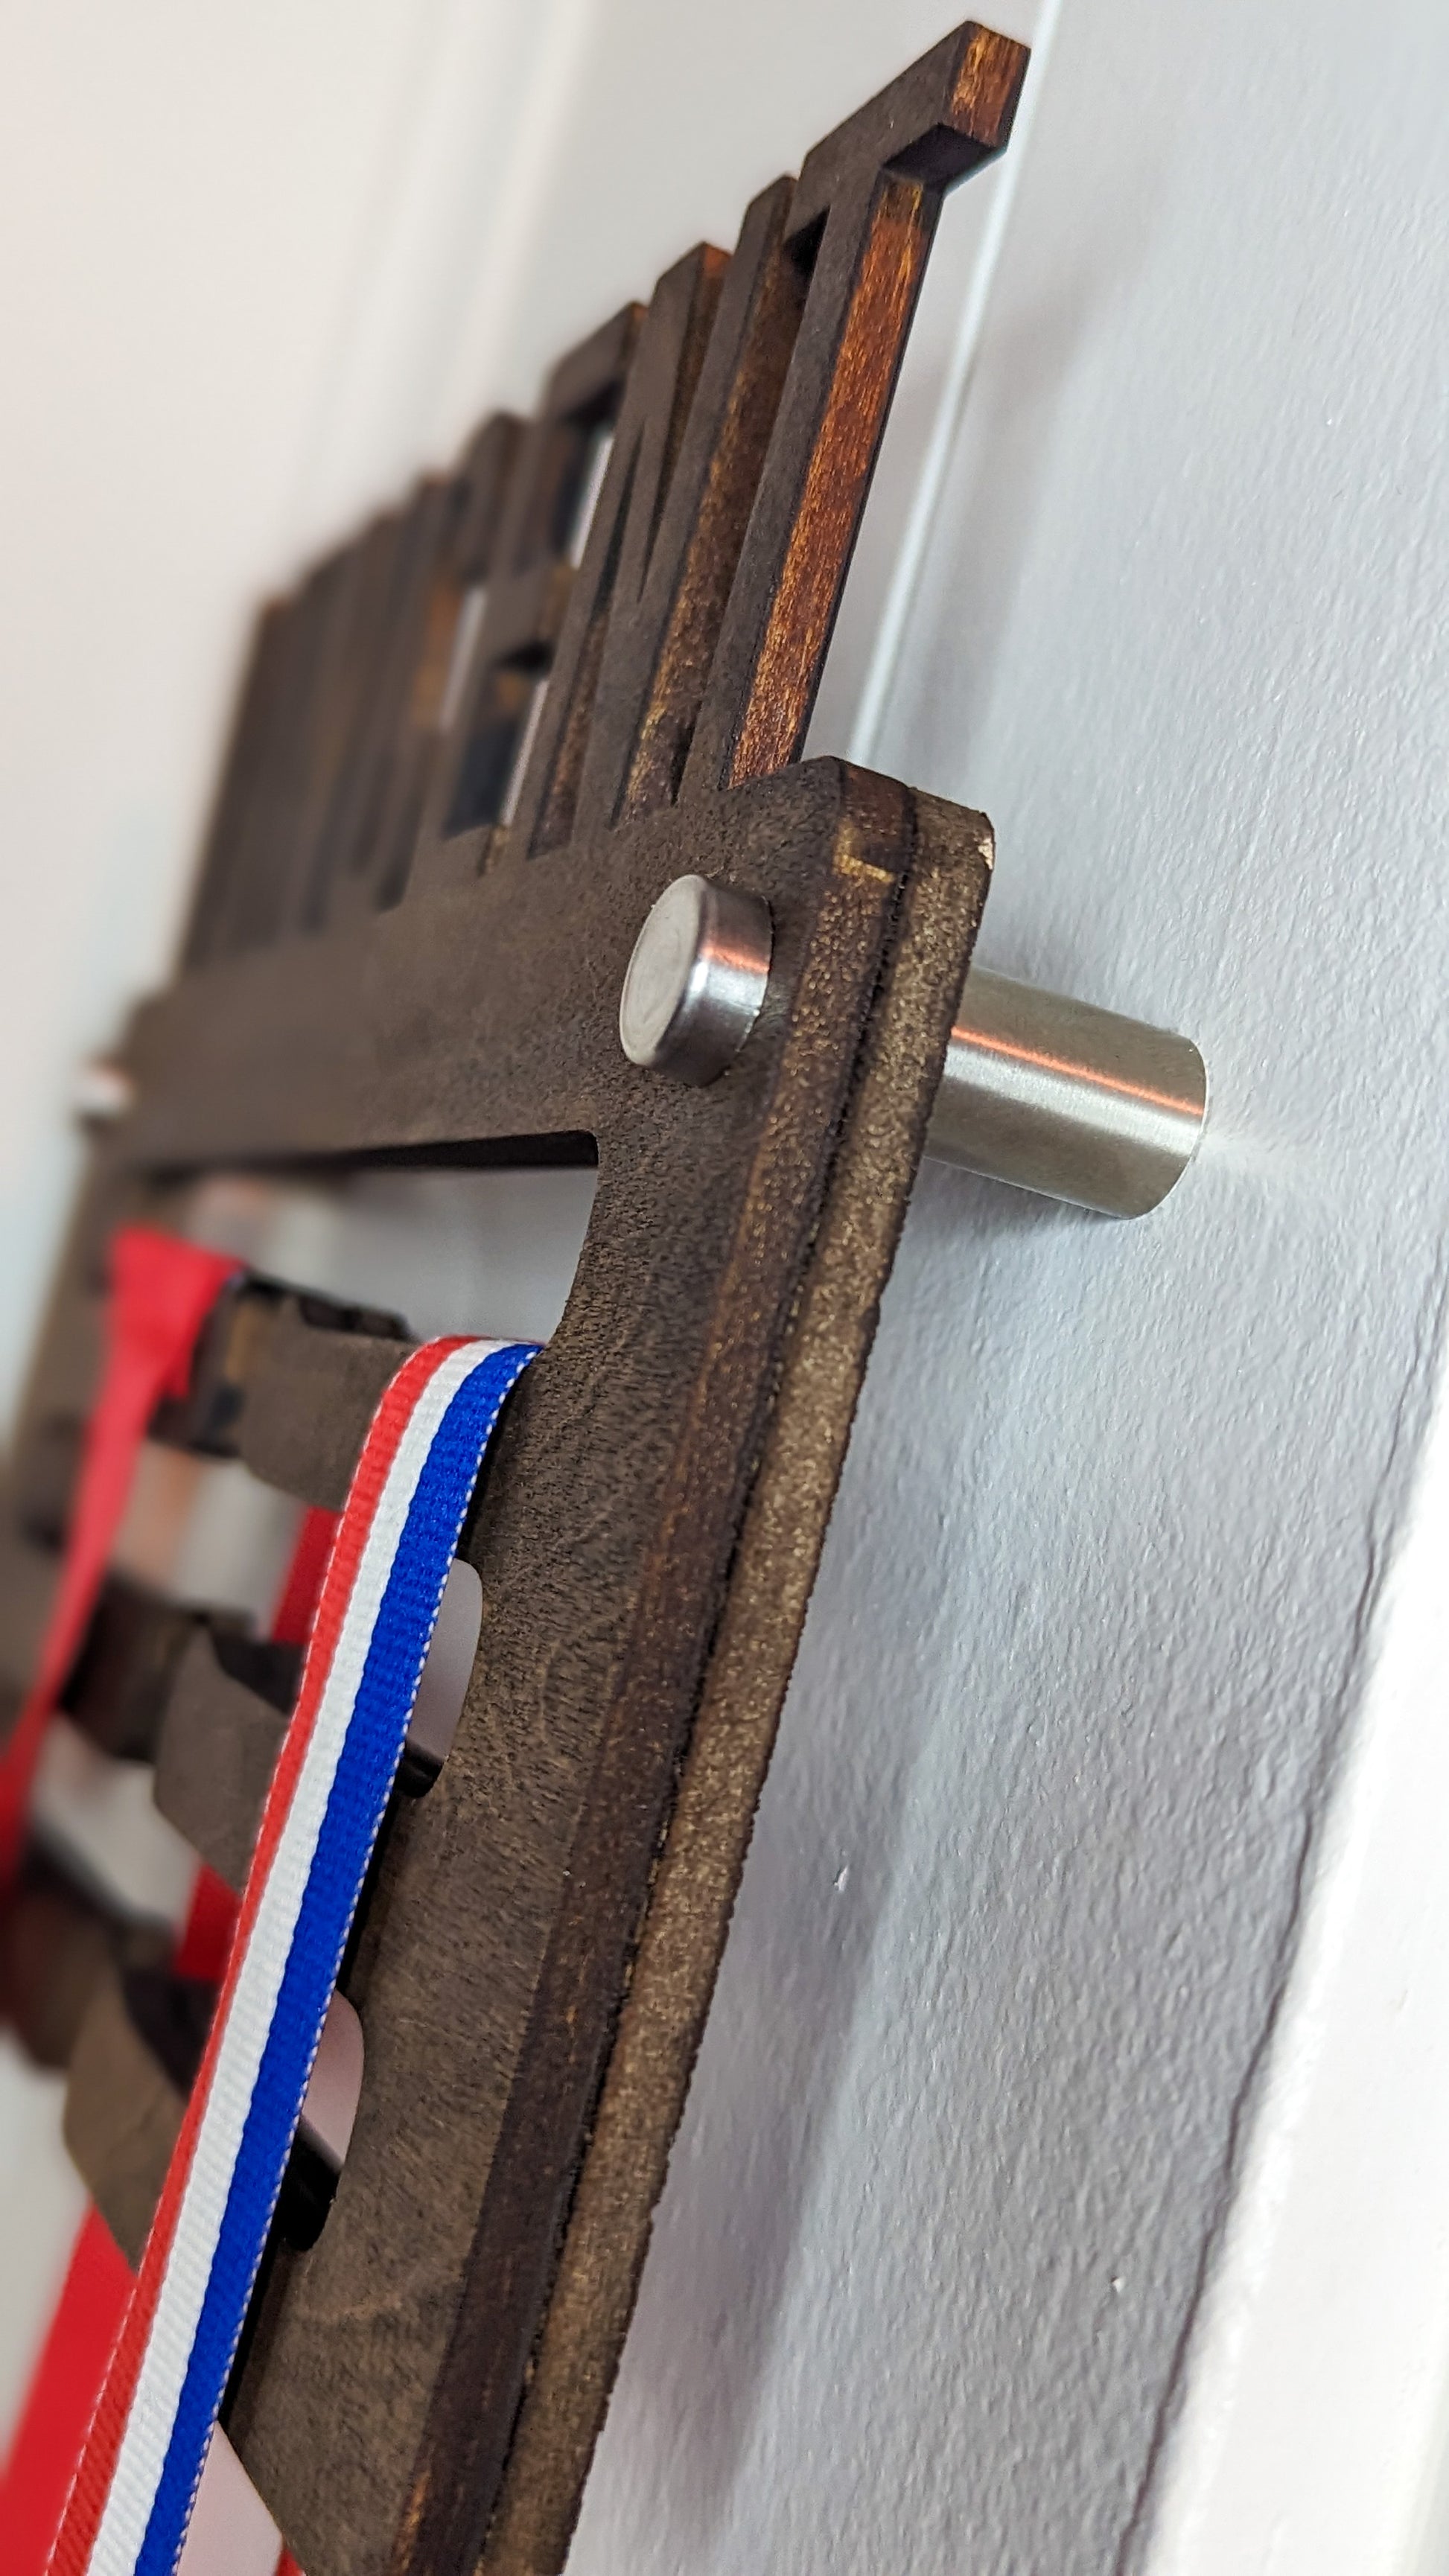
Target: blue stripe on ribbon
355	1809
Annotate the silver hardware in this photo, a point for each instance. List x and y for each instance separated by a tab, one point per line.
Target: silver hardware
694	985
1046	1093
1056	1096
102	1092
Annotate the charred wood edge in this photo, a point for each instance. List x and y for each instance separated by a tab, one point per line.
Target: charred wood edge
857	260
605	2234
525	591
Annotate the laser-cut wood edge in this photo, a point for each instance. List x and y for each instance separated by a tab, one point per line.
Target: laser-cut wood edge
540	2459
683	1934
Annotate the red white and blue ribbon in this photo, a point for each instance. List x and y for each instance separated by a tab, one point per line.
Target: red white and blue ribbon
138	2475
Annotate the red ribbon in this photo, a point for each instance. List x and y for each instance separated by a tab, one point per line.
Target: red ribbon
161	1292
62	2397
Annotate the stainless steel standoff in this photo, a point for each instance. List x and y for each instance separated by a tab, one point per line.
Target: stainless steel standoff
1057	1096
1046	1093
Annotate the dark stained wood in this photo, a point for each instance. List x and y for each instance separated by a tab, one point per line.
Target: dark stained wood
647	436
242	770
528	583
260	871
126	1666
861	225
28	1577
354	656
307	1403
540	1936
216	1750
691	1893
256	1325
123	2113
610	1522
55	1942
451	564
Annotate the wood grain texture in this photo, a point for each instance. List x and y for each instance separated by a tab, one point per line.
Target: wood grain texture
529	578
422	887
861	222
609	1526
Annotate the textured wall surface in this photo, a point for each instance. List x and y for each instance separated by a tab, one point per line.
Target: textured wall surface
1132	1550
1104	1578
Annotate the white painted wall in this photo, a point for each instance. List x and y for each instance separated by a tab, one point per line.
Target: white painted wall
1107	1582
1141	1526
254	272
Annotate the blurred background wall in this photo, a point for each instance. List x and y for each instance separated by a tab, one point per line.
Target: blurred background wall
1066	2181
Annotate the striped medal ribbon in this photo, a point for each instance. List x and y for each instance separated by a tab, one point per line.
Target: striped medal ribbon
137	2480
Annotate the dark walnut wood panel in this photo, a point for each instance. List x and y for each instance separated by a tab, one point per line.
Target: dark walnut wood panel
429	970
611	1518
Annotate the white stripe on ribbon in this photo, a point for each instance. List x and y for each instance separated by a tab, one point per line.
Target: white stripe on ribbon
142	2454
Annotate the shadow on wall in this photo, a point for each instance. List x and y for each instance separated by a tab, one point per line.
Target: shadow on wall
793	1988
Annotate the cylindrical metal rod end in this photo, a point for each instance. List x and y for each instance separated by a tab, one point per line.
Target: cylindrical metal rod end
696	980
1057	1096
102	1092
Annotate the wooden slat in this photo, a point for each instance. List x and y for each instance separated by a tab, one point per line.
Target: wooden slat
538	1939
258	1329
215	1755
28	1577
123	2113
118	1687
55	1942
860	227
308	1402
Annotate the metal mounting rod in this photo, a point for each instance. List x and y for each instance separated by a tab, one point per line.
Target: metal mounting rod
1057	1096
1049	1094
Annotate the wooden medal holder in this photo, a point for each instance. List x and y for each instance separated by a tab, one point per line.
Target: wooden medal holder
381	968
